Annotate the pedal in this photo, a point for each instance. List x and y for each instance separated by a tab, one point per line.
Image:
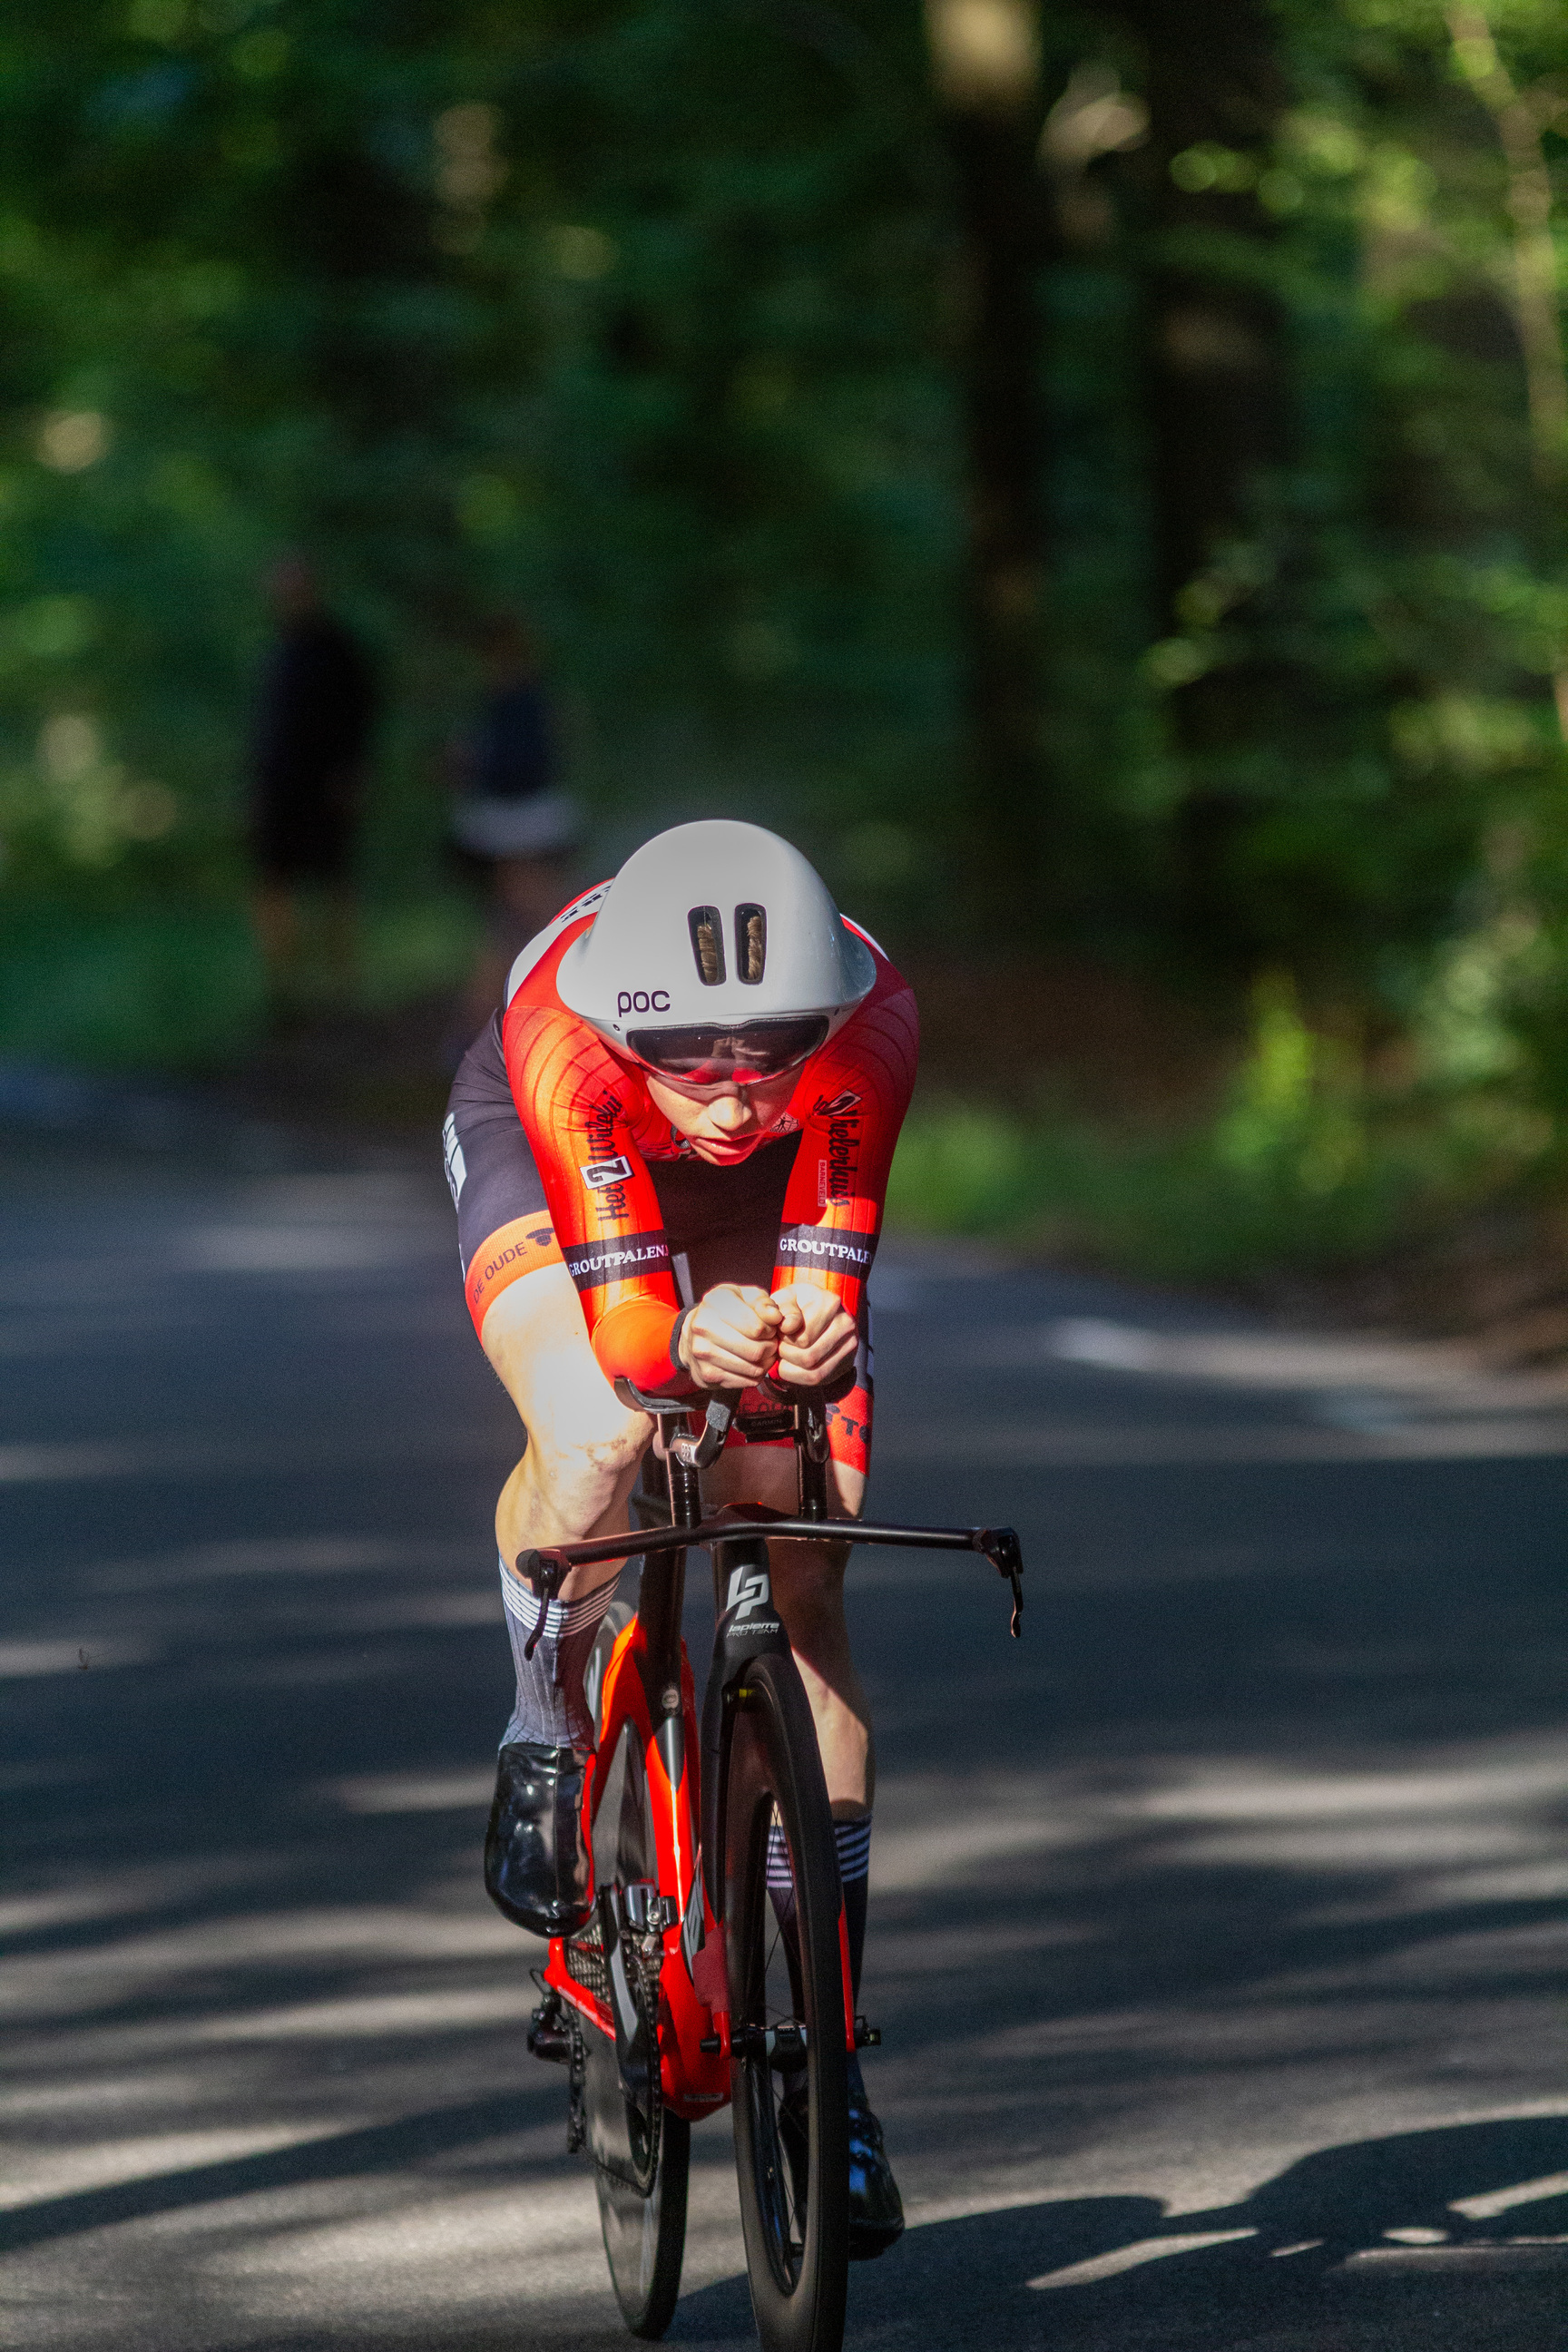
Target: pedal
550	2033
866	2037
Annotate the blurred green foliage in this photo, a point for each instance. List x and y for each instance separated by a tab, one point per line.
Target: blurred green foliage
647	315
1307	1159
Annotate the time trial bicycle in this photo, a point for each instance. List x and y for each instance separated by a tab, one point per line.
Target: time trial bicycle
689	1988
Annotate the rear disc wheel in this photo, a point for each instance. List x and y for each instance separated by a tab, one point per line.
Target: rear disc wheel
644	2237
641	2152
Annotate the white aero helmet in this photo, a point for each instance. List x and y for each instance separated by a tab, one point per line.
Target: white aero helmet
716	958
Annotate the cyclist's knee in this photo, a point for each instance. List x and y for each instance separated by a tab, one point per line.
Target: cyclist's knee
581	1460
587	1442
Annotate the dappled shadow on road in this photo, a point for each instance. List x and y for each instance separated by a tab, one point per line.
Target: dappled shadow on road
1199	1875
1444	2241
391	2148
1426	2241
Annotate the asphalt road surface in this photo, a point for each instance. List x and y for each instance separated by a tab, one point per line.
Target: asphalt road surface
1217	1928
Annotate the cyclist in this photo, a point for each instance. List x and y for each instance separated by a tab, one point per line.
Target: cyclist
668	1155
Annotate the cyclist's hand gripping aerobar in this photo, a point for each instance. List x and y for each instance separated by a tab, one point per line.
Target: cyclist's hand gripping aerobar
736	1334
816	1337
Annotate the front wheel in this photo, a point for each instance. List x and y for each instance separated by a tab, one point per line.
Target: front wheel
789	2081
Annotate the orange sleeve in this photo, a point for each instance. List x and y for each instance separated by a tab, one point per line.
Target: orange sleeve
584	1111
850	1103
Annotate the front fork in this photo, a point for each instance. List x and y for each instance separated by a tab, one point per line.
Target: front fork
749	1626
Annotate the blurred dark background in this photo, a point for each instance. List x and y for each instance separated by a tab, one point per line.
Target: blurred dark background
1093	477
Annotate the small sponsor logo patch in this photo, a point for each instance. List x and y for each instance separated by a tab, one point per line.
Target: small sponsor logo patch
599	1174
841	1250
597	1263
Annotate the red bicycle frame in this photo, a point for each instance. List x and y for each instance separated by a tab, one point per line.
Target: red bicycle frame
648	1684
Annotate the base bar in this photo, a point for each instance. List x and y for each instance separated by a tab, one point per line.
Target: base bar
991	1541
549	1565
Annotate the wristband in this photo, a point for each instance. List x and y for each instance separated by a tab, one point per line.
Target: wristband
676	1330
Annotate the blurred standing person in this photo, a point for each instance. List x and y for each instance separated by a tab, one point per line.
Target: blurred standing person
315	712
510	818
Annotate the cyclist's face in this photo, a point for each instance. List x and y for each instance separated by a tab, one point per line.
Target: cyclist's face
726	1123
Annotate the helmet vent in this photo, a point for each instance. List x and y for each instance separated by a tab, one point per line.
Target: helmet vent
706	926
751	943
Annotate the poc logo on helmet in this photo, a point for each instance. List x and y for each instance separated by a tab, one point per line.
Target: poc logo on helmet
643	1000
599	1174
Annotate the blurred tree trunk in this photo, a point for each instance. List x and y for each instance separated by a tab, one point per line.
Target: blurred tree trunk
1218	377
1522	117
986	70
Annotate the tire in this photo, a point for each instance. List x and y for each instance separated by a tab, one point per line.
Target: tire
641	2152
794	2165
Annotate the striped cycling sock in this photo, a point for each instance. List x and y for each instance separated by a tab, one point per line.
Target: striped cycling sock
550	1708
853	1839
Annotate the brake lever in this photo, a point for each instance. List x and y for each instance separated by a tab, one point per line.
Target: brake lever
549	1572
1002	1549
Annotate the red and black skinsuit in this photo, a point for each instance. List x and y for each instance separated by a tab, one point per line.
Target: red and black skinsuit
554	1151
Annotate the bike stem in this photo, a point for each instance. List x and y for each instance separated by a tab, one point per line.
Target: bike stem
664	1571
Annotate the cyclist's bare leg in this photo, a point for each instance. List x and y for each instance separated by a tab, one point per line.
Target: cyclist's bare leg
584	1446
573	1480
808	1586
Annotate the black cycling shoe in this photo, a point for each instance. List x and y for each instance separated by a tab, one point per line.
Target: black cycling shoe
537	1868
875	2208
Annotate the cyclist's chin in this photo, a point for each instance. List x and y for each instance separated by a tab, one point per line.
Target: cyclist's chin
723	1151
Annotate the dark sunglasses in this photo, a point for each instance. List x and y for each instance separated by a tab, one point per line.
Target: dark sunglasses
746	1054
